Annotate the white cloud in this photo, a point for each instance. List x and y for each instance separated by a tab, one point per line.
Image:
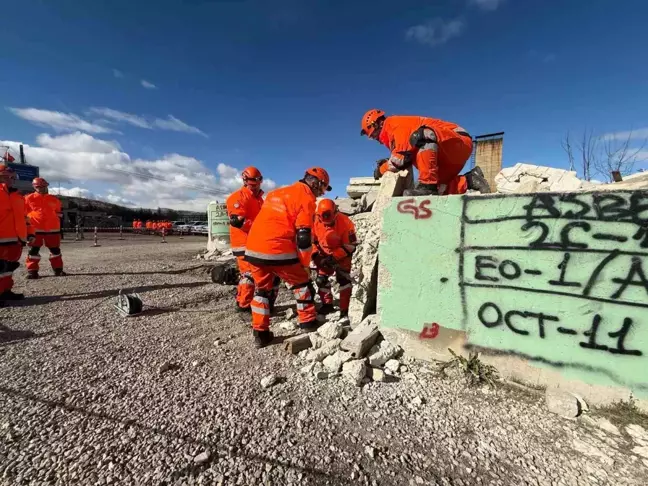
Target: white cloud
639	133
77	142
148	85
172	123
489	5
172	181
117	73
121	116
59	121
435	32
71	191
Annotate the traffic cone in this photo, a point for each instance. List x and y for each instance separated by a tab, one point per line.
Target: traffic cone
96	243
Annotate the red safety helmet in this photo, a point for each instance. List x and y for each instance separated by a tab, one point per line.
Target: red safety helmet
321	175
369	122
252	176
6	171
40	182
327	211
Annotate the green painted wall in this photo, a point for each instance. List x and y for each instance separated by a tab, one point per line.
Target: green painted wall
560	279
218	221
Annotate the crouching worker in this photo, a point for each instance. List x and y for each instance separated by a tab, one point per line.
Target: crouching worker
44	212
335	242
280	244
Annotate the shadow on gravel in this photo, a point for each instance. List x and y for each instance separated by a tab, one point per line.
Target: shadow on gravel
190	468
12	336
206	267
46	299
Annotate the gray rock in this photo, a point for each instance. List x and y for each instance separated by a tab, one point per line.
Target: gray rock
316	340
382	352
354	371
417	402
370	451
330	330
202	458
334	362
362	338
288	326
269	381
329	348
562	403
637	432
376	374
641	451
392	365
290	313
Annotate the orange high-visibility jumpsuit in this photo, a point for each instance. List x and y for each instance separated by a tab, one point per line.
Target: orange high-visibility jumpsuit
149	225
439	160
272	251
245	205
337	241
44	211
14	231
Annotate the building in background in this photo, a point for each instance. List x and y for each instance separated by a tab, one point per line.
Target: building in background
25	173
487	154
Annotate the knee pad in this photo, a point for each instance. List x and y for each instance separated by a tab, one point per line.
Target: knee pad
423	136
55	251
342	280
34	250
262	293
322	281
301	296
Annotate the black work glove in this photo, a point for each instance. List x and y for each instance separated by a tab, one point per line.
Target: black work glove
379	164
329	261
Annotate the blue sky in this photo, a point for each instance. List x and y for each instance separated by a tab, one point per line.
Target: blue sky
282	84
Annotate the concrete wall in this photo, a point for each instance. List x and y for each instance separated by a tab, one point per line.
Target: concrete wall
554	286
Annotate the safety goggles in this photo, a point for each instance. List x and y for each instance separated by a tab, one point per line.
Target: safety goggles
254	179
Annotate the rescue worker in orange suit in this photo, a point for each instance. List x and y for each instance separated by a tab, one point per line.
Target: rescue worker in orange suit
44	212
15	231
243	206
335	242
438	149
280	244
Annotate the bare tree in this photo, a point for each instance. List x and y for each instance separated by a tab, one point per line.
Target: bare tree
589	150
567	147
618	156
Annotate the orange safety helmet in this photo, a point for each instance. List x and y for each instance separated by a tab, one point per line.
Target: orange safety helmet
321	175
252	176
326	211
369	121
40	182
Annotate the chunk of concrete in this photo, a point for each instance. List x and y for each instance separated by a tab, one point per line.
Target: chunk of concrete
382	352
392	365
297	344
330	330
356	192
376	374
334	362
562	403
362	338
329	348
354	371
348	206
316	340
364	181
367	200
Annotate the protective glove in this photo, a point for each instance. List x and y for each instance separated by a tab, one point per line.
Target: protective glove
329	261
31	239
379	163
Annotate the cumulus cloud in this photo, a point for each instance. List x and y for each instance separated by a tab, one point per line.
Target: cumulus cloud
638	134
435	32
71	191
77	142
120	116
59	121
489	5
148	85
172	181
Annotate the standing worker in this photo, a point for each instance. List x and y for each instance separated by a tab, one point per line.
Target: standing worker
243	206
14	233
438	149
280	244
335	242
44	210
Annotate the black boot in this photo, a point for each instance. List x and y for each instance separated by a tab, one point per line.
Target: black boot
477	182
326	309
422	190
243	309
32	275
309	326
58	272
9	295
262	338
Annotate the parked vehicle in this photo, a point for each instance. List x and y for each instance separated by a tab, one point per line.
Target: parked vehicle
200	228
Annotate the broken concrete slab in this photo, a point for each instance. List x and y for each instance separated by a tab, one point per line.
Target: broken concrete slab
563	403
523	178
334	362
329	348
382	352
297	344
356	192
362	338
364	181
367	200
354	371
330	330
348	206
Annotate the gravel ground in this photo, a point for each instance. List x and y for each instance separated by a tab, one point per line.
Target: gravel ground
174	397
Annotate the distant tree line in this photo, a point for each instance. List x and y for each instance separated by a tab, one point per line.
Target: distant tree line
130	214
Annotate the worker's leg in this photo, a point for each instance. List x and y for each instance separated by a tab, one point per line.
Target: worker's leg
297	277
53	244
32	261
454	152
9	262
324	290
245	289
343	279
276	283
426	161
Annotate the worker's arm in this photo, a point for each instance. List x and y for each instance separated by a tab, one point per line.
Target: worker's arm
304	231
58	208
236	210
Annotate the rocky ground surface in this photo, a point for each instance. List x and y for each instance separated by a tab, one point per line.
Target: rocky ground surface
175	396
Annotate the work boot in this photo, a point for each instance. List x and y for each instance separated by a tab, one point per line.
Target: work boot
31	275
10	295
344	318
262	338
243	309
422	190
476	181
309	326
58	272
326	309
